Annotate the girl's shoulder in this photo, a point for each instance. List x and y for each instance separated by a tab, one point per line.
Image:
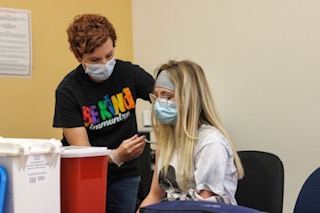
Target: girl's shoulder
210	135
206	130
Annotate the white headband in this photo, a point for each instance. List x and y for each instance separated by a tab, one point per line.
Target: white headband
164	81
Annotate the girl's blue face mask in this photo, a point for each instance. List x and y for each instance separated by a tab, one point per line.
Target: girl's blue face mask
166	111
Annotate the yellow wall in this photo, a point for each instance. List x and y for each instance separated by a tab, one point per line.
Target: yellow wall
27	104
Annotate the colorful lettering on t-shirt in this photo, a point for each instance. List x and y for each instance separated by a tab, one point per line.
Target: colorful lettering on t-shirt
112	109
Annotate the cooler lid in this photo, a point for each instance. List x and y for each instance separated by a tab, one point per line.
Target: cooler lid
84	151
28	146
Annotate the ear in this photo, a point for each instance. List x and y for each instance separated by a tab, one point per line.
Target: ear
78	58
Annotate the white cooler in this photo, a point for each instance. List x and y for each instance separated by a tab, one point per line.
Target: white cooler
33	174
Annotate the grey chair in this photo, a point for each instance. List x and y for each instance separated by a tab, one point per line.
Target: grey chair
263	183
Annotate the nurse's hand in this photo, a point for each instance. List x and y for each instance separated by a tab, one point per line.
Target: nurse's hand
131	148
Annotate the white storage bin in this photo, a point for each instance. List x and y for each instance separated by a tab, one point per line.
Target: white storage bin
33	174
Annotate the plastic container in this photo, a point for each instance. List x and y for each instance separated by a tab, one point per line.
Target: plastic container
33	174
3	186
84	179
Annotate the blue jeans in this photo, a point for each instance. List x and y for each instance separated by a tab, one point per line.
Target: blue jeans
122	195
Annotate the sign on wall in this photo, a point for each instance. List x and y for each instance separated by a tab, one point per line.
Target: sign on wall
15	43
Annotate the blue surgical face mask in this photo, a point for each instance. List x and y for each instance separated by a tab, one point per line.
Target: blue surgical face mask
166	111
100	72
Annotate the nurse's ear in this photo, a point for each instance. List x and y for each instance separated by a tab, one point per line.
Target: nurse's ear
80	61
78	58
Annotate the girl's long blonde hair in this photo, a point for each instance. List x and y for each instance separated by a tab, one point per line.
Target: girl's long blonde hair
195	107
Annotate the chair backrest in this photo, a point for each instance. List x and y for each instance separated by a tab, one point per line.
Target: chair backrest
309	196
263	183
3	186
145	170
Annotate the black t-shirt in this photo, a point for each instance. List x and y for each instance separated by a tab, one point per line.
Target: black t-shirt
106	109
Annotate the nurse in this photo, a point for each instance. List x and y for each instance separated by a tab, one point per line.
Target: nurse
96	105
